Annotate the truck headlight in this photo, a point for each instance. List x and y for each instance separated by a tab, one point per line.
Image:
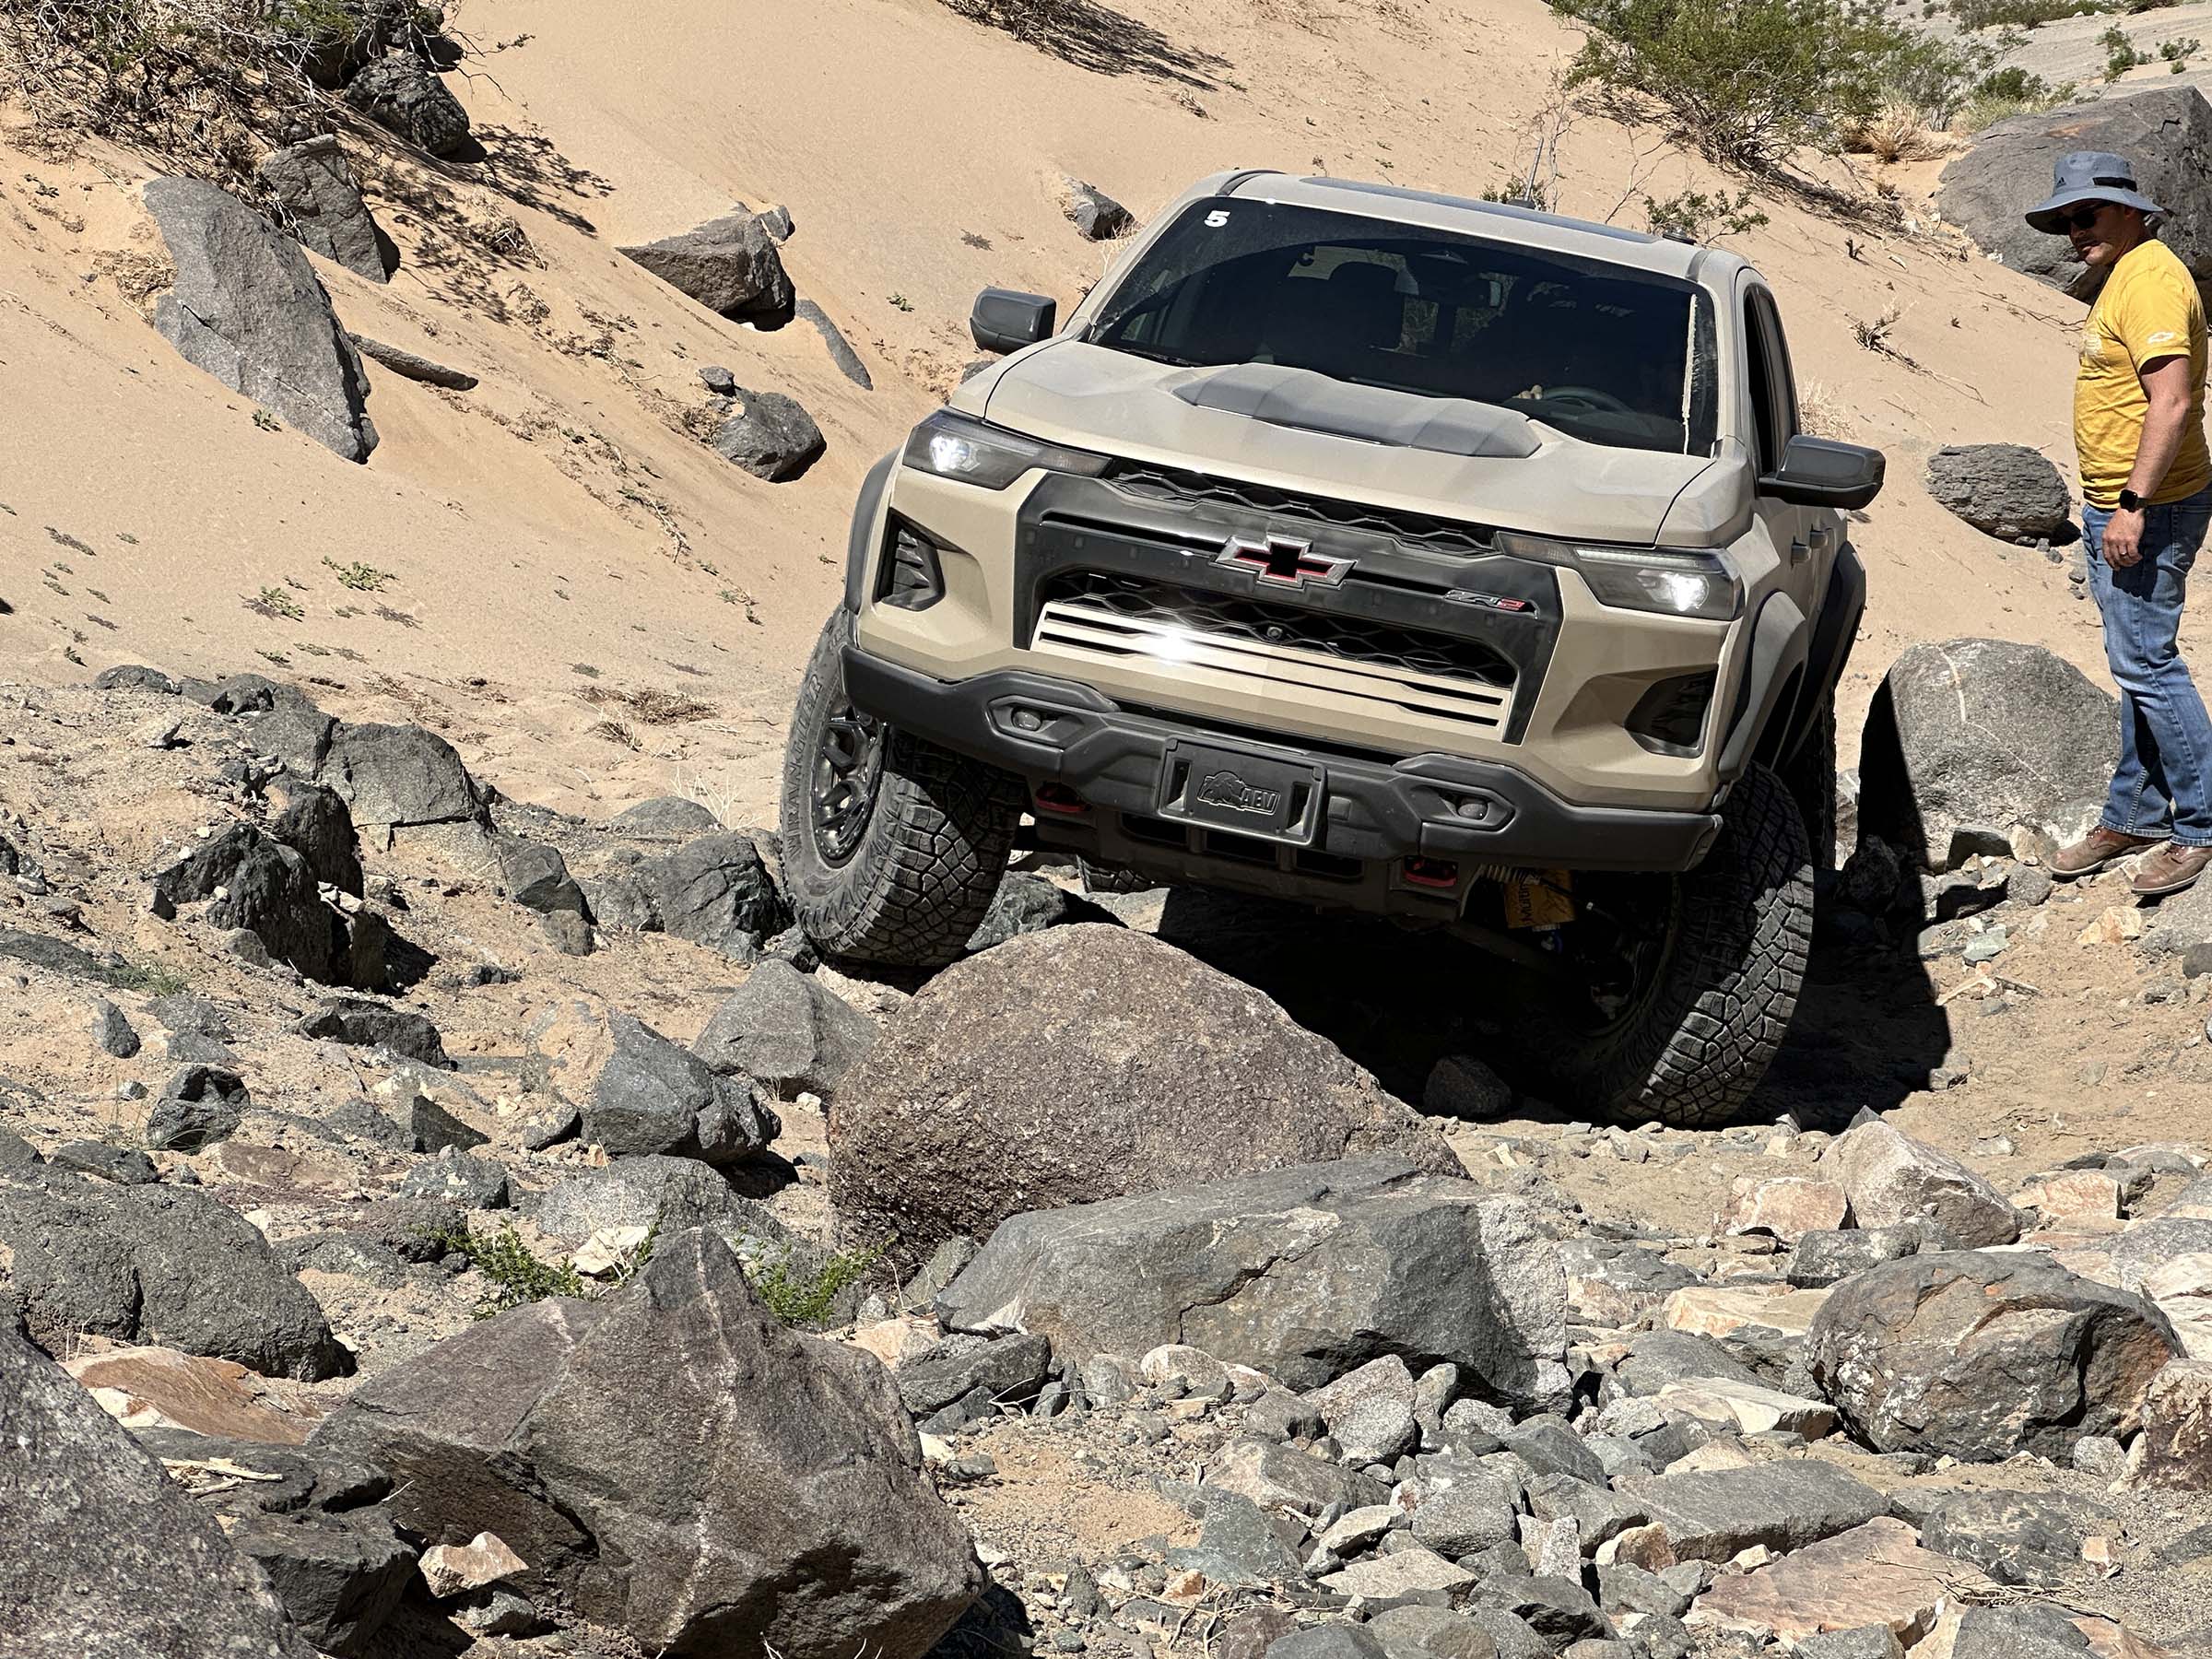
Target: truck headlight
974	452
1694	583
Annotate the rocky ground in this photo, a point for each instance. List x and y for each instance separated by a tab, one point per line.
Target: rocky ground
439	1226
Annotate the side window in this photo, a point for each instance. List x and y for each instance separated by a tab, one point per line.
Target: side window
1767	445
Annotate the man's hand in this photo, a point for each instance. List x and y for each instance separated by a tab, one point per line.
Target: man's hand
2123	544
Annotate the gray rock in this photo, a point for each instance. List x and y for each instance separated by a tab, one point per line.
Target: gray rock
829	1537
394	776
1559	1610
1010	1369
1826	1258
400	94
1868	1641
1465	1517
359	1023
409	365
1238	1547
432	1129
1096	215
55	955
2007	490
788	1031
135	676
535	875
199	1106
982	1099
1982	732
105	1554
315	823
1712	1514
162	1263
728	265
112	1032
126	1166
1303	1273
640	1093
943	1266
2032	1632
1979	1354
1549	1447
1276	1476
2015	1537
2166	133
771	436
847	360
1599	1514
247	309
664	818
471	1182
313	188
1437	1633
719	380
1027	904
1369	1412
1460	1086
1892	1179
268	889
181	1012
1326	1642
716	890
678	1193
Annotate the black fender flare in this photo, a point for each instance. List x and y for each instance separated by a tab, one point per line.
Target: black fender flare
860	540
1835	631
1779	645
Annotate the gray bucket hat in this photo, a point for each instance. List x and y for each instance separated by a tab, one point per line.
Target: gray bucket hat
2089	176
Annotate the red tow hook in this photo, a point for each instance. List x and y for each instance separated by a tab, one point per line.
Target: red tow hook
1431	873
1060	798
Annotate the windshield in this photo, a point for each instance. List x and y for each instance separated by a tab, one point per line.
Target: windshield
1605	353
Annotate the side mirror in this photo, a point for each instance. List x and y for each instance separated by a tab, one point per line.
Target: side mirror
1005	320
1820	472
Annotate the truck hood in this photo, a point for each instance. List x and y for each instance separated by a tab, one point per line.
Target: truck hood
1302	432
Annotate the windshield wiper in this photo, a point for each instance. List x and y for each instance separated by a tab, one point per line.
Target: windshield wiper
1152	354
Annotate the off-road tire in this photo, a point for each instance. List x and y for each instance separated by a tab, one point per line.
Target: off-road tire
1112	878
1811	779
1696	1043
933	849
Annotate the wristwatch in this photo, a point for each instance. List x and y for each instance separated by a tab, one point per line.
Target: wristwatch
2130	501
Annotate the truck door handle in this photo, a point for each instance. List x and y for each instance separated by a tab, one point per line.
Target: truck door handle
1821	536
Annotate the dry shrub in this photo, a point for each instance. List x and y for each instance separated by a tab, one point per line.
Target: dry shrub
653	707
1820	412
1894	133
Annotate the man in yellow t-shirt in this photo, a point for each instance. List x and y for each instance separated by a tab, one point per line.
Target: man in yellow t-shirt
2146	503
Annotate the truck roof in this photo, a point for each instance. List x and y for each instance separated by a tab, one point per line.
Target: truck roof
1554	232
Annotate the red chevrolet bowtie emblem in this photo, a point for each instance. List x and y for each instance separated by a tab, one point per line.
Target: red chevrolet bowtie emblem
1283	561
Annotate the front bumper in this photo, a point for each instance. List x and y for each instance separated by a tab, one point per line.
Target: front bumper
1430	806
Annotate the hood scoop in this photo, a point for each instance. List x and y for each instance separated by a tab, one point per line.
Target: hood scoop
1307	402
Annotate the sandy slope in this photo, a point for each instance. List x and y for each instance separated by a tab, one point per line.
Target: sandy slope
557	531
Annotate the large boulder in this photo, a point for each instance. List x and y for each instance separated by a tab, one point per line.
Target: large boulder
396	776
2006	490
1303	1273
2166	133
1978	1355
770	435
247	309
268	888
728	265
1712	1514
716	891
314	186
161	1265
1894	1181
401	94
787	1030
640	1093
783	1507
1987	733
1087	1063
2174	1451
104	1554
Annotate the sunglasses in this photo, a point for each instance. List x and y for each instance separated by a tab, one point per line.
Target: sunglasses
2082	219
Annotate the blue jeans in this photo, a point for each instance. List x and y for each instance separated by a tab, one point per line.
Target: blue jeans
2163	784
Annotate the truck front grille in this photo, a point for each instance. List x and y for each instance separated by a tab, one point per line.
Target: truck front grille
1414	530
1093	616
